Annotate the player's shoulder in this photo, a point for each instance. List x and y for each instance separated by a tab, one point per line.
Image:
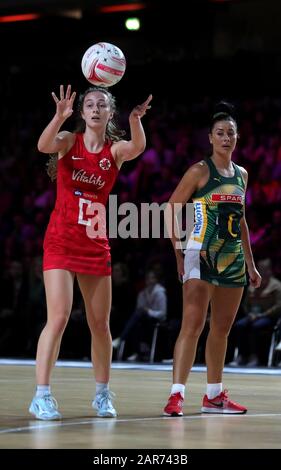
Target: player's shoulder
243	172
242	169
67	140
198	169
66	135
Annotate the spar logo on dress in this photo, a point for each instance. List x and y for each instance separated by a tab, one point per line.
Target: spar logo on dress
227	198
105	164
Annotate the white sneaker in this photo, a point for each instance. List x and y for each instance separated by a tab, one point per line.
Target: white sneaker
45	408
103	404
278	347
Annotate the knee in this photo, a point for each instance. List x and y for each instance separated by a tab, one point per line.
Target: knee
192	329
99	327
59	322
220	330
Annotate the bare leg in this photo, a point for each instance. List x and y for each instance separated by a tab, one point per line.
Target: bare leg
196	297
96	291
224	306
59	295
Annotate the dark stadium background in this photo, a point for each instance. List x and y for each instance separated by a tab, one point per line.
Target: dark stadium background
188	58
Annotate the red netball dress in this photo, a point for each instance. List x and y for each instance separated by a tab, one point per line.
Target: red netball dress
83	180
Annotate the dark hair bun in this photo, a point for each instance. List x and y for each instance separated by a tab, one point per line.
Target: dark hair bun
224	108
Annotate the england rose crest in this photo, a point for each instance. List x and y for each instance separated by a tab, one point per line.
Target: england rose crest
105	164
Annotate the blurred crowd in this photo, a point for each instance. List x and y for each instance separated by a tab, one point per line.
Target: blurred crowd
177	136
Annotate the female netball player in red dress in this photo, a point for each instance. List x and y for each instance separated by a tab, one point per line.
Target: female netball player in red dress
87	167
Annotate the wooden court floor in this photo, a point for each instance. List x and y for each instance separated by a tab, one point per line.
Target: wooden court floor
140	397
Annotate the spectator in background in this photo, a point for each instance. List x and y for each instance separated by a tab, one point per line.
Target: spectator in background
36	307
13	303
151	308
123	298
163	185
157	156
257	230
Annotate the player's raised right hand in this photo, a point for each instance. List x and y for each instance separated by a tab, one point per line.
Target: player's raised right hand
65	102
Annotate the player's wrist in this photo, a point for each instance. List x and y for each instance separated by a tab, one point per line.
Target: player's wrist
59	119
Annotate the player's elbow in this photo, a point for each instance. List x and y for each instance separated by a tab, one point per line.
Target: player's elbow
140	148
41	148
136	152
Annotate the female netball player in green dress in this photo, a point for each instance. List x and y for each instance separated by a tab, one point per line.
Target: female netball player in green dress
212	267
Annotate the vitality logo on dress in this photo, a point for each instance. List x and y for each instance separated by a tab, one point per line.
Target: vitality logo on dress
84	177
105	164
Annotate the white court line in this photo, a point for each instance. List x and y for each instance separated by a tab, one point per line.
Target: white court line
46	425
145	366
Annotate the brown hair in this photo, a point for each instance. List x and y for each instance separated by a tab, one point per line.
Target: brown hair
112	132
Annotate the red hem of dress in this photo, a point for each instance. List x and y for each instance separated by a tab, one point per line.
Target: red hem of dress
78	270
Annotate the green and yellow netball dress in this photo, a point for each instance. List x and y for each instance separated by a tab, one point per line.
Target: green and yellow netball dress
214	250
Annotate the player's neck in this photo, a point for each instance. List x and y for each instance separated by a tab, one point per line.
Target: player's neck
222	161
94	140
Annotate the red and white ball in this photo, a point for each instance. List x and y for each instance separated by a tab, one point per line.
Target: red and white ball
103	64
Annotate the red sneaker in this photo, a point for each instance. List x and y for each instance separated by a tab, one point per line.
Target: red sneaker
174	405
222	404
